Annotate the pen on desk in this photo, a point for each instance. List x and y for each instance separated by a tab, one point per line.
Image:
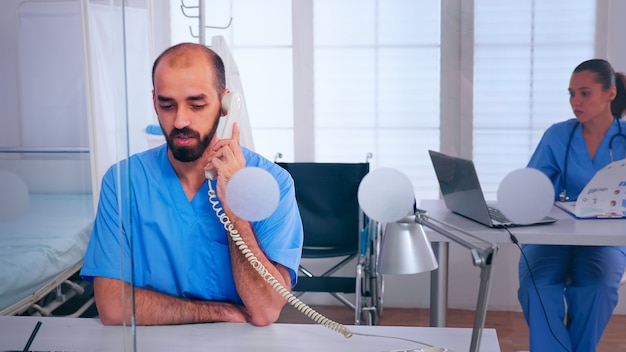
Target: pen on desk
32	336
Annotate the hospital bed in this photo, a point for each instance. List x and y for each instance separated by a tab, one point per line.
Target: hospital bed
42	250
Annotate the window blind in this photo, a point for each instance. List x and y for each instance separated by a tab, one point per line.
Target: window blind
524	54
377	85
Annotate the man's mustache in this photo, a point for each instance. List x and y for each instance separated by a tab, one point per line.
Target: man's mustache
186	132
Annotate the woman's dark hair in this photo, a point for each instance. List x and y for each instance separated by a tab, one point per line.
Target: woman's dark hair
607	77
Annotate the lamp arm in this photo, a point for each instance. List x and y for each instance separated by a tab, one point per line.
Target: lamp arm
481	306
482	257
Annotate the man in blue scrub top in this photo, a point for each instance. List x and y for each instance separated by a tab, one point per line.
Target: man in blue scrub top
587	278
155	225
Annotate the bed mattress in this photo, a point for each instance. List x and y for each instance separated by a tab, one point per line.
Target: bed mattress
46	242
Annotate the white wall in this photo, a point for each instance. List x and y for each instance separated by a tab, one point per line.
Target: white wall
615	39
42	95
8	72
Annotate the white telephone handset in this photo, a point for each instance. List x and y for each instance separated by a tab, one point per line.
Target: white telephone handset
231	105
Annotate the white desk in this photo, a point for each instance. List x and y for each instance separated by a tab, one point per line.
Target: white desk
567	230
86	334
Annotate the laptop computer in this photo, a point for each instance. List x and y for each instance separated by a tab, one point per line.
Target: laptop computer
463	195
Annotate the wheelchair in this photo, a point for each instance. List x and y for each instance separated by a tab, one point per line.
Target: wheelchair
338	234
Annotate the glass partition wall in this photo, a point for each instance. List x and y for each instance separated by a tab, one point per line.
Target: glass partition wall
76	90
46	199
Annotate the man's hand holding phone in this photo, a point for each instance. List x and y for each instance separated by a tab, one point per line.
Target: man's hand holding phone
231	106
227	160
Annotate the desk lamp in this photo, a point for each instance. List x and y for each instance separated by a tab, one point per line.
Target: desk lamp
387	196
405	249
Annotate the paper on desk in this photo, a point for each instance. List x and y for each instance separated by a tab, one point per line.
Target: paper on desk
605	194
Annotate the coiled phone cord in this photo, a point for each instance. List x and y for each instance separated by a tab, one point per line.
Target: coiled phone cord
278	287
267	276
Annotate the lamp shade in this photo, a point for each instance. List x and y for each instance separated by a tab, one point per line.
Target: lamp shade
405	249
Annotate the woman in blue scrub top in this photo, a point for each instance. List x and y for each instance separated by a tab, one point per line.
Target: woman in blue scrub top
586	279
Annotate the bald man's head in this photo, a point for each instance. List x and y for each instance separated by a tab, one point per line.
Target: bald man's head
185	54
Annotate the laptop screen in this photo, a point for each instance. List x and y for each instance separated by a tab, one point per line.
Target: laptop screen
460	187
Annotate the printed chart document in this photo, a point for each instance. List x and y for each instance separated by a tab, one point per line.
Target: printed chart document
603	197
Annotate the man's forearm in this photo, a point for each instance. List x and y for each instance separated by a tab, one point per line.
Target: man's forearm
262	303
154	308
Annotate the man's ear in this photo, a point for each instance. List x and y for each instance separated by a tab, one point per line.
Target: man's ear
226	91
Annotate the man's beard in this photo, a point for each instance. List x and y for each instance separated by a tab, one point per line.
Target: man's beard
191	153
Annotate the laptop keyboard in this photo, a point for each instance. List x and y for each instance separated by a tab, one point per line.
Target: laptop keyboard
497	215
